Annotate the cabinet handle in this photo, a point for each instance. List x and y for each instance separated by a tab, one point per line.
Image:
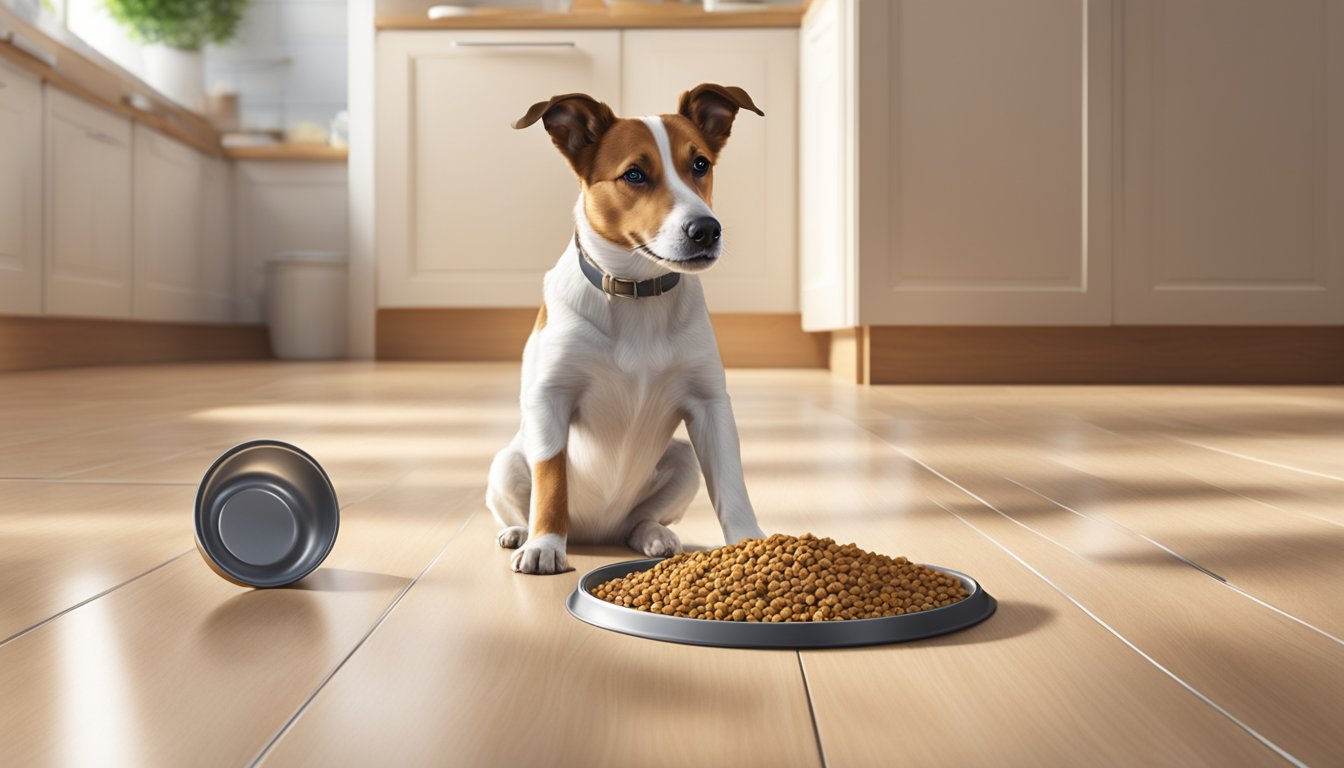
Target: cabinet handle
102	138
513	44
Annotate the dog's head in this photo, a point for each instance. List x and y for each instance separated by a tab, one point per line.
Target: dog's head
648	182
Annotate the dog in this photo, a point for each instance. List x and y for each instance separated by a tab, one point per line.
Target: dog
622	352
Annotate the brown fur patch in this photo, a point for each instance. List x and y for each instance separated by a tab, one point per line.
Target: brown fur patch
687	143
625	213
541	318
550	490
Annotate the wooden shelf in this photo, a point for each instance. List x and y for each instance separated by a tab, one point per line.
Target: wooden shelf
302	153
589	14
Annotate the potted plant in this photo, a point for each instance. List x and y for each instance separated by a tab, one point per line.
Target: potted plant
174	32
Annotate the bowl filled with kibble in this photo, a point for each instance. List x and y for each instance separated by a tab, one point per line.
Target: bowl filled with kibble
780	592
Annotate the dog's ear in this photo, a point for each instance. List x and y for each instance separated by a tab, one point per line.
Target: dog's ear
712	108
576	121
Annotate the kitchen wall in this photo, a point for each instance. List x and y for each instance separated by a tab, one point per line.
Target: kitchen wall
288	63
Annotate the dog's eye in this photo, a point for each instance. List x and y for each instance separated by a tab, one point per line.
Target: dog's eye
634	176
700	166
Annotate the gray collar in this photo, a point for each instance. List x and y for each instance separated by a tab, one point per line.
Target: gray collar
620	286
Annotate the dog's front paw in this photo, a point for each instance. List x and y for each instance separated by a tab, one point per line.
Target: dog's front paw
512	537
542	555
655	540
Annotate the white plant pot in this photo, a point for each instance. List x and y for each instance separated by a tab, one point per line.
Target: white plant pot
177	74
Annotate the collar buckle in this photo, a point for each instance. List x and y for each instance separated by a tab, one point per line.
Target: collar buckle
611	284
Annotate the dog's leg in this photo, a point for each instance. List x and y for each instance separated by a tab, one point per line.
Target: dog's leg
714	435
545	434
674	483
508	494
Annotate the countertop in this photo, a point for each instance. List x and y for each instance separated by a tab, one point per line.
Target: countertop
289	152
587	14
82	72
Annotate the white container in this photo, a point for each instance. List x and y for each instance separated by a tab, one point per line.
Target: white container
177	74
306	295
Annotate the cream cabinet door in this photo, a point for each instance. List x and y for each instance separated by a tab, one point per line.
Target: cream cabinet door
1234	163
756	177
88	211
215	241
470	212
284	207
987	136
20	193
825	261
168	184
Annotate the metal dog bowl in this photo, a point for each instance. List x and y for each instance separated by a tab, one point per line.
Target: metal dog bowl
266	514
787	634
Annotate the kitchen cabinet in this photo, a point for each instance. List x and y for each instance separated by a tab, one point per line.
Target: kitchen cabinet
756	176
1233	163
982	162
88	209
1072	162
168	217
215	241
184	267
826	260
469	211
20	192
284	206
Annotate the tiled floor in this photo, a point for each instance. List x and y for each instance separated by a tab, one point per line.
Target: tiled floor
1167	562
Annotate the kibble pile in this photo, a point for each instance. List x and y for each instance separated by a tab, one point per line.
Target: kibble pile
783	578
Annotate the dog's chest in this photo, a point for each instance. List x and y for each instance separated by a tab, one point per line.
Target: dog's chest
644	347
618	433
623	399
636	379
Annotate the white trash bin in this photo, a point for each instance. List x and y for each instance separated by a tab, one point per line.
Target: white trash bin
306	295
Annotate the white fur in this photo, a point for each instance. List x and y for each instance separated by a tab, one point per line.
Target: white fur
609	380
671	242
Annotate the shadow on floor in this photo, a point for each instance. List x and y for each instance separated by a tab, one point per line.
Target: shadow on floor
1012	619
622	552
346	580
618	551
251	627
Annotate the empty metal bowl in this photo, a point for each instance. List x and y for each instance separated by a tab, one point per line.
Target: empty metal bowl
266	514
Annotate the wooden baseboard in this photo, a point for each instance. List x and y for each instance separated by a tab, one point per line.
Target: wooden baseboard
849	355
754	340
29	343
1105	355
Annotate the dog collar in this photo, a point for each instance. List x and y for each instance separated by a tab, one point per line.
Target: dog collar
619	286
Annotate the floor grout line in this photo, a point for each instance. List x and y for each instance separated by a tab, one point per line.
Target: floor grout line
1258	460
1115	524
294	718
88	600
1265	740
1234	587
811	710
1169	437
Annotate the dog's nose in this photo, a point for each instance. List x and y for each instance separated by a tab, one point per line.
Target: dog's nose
703	230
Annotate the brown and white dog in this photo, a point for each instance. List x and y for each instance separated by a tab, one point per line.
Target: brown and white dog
623	352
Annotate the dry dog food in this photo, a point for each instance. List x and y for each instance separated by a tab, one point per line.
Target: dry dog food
783	578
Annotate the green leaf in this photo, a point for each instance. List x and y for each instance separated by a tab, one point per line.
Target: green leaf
185	24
